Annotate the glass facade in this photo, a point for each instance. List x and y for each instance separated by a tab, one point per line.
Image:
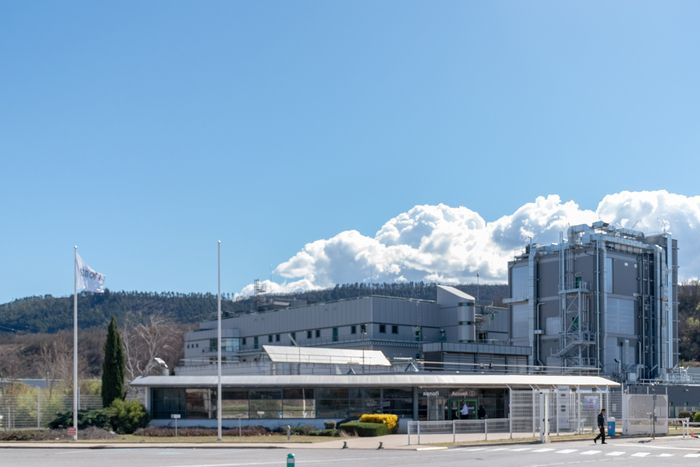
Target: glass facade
273	403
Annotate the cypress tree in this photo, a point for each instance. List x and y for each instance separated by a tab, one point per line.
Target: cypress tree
113	366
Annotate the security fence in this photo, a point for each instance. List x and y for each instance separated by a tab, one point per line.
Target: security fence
35	409
544	413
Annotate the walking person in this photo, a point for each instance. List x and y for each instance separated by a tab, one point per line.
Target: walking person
601	427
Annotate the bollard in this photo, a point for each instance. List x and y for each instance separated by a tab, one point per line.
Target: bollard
345	445
381	445
289	432
290	460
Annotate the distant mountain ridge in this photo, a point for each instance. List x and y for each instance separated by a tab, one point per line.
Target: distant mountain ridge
48	314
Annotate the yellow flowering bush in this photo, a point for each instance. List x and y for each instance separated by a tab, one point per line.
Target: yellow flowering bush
388	419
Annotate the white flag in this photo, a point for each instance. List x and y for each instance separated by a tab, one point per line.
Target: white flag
88	278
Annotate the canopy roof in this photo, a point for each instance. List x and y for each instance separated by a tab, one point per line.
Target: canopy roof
422	380
290	354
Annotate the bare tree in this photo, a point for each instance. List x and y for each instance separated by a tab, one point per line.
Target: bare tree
148	337
55	363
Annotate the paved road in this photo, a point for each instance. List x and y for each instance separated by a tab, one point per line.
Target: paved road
629	453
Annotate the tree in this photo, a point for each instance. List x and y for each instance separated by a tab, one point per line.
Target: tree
113	366
148	337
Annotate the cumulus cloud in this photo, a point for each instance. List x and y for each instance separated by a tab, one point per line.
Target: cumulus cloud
440	243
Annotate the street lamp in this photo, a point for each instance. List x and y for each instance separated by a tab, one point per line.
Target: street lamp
363	330
163	366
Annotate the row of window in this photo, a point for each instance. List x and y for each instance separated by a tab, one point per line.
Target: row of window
230	344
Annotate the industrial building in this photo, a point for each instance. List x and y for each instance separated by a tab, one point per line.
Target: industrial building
452	329
603	297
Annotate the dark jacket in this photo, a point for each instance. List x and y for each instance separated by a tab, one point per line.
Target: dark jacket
601	420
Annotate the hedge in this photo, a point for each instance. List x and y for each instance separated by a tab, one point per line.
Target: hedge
365	429
388	419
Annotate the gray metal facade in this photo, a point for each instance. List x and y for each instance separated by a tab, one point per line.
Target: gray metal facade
605	297
398	327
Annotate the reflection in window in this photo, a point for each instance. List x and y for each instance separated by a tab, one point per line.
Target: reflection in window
234	404
199	403
298	403
266	403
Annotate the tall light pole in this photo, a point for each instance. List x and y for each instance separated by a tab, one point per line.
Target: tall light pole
218	364
76	387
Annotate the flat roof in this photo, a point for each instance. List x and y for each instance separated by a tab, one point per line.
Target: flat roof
291	354
385	380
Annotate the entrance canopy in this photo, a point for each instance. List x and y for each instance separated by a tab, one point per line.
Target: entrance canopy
434	380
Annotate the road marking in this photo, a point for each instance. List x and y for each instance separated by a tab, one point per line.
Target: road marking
692	455
469	449
590	453
665	454
520	449
615	453
566	451
543	450
500	449
640	454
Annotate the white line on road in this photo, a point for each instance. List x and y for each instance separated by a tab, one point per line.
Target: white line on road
615	453
692	455
319	461
543	450
566	451
640	454
521	449
590	453
469	449
665	454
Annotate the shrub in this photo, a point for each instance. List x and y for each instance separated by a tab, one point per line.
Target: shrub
696	417
685	414
162	432
325	432
97	418
122	416
388	419
126	416
365	429
329	424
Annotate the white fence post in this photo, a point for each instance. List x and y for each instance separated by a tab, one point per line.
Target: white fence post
486	429
454	432
418	431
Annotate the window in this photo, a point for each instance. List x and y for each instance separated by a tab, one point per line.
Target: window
318	333
277	337
308	334
293	336
419	333
382	328
213	345
230	344
335	334
243	342
353	329
363	328
255	342
269	337
394	329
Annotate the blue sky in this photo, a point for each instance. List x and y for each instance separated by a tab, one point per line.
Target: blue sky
146	131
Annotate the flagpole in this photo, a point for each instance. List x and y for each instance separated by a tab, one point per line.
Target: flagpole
218	317
75	341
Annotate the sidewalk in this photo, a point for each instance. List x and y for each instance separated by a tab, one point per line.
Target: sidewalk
390	442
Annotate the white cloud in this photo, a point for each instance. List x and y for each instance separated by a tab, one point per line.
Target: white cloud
451	244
